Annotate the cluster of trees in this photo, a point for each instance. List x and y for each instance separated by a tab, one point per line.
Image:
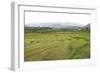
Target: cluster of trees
49	29
46	29
37	29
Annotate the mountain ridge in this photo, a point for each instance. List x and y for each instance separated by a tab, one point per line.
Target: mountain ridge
54	25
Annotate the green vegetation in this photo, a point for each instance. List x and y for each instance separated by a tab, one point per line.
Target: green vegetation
47	44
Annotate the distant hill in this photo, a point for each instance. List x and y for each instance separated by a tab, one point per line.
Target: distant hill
50	27
87	26
55	25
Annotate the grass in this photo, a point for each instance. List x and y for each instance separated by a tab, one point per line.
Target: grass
56	46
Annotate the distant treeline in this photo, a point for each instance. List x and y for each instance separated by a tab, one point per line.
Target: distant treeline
48	29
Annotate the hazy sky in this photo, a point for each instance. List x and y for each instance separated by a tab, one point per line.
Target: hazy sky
41	17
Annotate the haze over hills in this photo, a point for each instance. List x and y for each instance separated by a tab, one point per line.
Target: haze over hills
54	25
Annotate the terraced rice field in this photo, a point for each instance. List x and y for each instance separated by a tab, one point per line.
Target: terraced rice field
56	46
